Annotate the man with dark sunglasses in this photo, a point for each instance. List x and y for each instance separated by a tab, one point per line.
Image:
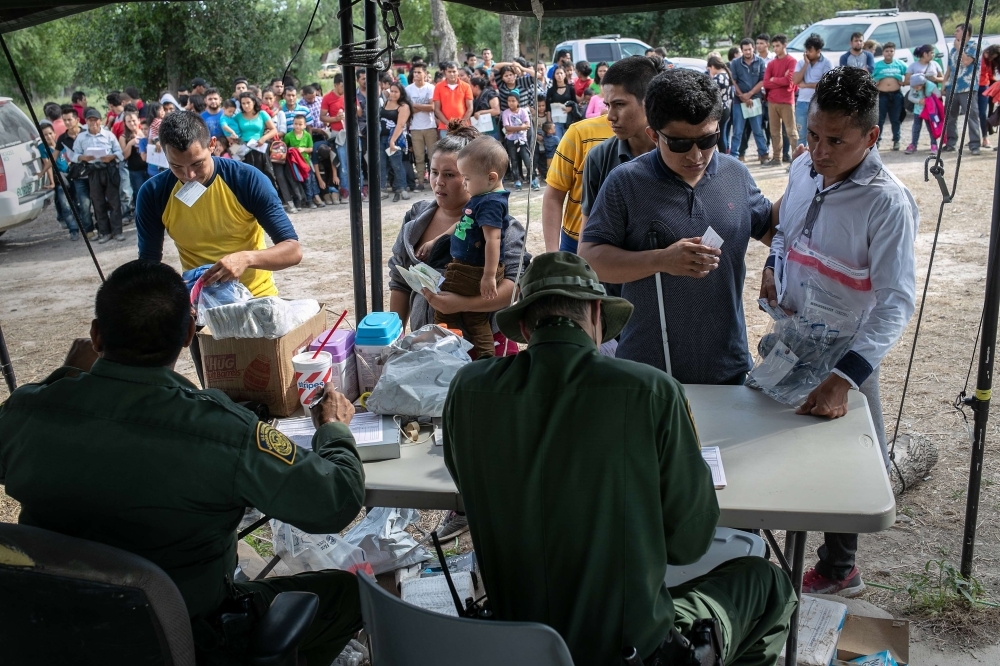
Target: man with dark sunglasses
647	226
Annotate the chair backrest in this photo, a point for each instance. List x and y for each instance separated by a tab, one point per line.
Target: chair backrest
396	626
72	601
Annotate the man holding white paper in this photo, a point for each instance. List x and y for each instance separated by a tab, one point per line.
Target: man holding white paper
100	150
649	230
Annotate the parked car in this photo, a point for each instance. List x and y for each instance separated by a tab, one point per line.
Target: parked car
988	40
695	64
21	195
907	30
604	48
328	70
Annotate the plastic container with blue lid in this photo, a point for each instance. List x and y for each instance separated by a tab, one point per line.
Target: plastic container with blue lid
375	332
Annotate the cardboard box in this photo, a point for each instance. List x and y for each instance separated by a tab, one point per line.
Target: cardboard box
257	369
862	636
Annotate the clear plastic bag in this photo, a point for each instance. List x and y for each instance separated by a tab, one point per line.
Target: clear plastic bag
268	317
315	552
801	349
216	295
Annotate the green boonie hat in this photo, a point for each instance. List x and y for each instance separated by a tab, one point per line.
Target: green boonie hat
563	274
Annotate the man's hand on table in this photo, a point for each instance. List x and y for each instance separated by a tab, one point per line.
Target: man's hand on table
444	302
81	354
227	269
829	399
333	407
689	258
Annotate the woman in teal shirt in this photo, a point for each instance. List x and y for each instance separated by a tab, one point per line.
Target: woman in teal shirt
255	128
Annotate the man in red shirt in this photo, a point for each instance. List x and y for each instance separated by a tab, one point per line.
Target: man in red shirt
452	99
780	96
80	104
331	111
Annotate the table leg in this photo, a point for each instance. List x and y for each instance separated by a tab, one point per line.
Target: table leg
795	552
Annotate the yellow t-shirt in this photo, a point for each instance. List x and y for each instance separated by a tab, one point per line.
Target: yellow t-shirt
233	213
566	170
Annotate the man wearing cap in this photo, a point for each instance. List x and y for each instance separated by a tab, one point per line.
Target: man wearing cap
198	86
100	150
583	479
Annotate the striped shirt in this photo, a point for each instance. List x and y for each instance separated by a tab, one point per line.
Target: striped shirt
313	119
566	170
300	108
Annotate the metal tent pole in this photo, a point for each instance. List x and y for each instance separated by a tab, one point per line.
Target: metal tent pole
980	401
374	157
353	163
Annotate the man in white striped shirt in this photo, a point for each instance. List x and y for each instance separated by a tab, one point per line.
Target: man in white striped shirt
852	224
99	148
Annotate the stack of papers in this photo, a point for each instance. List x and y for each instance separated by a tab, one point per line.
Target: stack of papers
820	623
421	276
97	152
713	457
366	428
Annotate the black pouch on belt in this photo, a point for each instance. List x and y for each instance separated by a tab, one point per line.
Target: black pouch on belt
701	647
234	622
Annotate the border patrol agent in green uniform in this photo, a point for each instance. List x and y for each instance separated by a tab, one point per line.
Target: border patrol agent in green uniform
583	479
132	455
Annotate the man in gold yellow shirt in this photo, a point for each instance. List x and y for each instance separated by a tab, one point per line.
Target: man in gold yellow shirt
216	211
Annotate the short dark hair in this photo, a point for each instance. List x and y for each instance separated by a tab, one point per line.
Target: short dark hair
660	51
479	82
240	79
682	95
814	41
582	67
561	53
487	153
113	99
182	128
250	95
889	45
850	91
746	41
211	91
228	103
306	90
276	79
470	55
780	38
449	64
197	102
764	36
143	313
52	110
634	74
66	108
857	35
418	65
337	78
182	100
77	96
132	92
289	87
555	306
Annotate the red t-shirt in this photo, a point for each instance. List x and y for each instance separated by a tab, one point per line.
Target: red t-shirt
454	103
333	104
579	85
780	92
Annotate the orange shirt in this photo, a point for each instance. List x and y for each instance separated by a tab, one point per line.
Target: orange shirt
453	102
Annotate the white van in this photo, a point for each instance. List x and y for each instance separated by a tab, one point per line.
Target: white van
21	195
907	30
604	48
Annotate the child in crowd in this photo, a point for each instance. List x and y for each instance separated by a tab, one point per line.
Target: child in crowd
516	124
477	239
222	147
302	141
327	167
920	90
228	120
550	141
582	81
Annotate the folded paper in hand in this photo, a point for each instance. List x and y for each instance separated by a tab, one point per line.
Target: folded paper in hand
422	276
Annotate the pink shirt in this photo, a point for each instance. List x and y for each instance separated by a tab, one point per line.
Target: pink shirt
596	107
782	91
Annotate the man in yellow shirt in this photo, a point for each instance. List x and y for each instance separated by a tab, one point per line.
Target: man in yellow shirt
565	178
216	211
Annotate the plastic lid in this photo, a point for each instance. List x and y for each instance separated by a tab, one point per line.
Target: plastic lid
379	328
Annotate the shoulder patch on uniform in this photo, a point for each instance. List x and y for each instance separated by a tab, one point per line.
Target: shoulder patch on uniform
687	405
274	442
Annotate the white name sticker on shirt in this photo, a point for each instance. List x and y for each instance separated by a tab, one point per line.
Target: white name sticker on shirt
190	193
711	239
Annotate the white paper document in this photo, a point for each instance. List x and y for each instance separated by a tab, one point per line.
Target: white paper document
483	123
366	428
97	152
713	457
190	193
421	276
558	112
433	594
711	239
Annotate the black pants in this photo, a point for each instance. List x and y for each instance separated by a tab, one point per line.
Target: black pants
289	188
518	155
837	555
262	163
104	194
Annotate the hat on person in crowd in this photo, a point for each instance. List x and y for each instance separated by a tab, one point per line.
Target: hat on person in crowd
169	99
563	274
198	82
91	112
917	80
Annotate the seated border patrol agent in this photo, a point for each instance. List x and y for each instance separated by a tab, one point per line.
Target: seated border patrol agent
583	479
130	454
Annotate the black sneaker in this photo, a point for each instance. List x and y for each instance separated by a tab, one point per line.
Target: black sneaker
947	149
452	525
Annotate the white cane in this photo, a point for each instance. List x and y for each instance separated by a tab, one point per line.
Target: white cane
654	244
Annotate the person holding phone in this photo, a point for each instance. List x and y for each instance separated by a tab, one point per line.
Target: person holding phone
393	118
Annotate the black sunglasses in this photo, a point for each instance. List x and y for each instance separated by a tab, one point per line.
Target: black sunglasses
684	145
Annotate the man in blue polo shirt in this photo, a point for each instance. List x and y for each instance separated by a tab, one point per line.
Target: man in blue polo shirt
962	57
748	83
648	222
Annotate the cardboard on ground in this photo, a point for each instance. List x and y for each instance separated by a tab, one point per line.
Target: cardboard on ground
862	636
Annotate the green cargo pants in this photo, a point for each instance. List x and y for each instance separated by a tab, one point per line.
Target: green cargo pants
336	622
752	600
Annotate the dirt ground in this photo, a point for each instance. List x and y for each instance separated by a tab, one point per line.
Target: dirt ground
49	284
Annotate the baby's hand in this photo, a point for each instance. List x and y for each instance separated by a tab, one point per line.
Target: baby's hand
425	250
488	287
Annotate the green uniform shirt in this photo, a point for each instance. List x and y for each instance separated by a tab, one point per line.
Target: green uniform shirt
582	478
140	459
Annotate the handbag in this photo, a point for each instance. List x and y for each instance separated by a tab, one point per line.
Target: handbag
753	109
77	170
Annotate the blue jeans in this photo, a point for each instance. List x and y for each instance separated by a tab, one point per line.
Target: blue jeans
396	160
136	179
755	127
82	190
891	104
345	182
984	111
724	127
566	244
801	118
312	187
63	212
560	130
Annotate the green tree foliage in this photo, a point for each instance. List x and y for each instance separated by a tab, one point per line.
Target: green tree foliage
41	56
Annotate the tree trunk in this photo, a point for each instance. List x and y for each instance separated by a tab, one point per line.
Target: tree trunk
914	463
443	33
510	37
750	12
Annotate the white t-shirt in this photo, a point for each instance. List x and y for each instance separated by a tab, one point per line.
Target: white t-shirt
422	120
929	69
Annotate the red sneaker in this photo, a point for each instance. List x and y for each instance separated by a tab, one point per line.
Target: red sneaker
850	587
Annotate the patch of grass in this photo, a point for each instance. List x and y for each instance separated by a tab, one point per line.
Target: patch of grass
260	541
957	495
941	587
